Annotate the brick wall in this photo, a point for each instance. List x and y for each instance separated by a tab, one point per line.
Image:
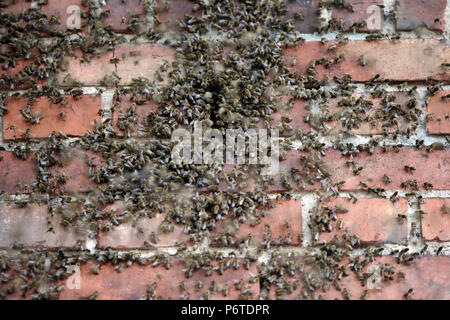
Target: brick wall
92	206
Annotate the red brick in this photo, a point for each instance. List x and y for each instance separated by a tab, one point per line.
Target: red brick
292	160
360	14
88	73
119	9
150	59
80	115
133	235
412	14
16	7
75	168
367	115
430	167
436	220
308	9
394	60
372	220
29	226
142	112
59	8
440	110
168	13
21	79
283	211
132	282
427	276
296	111
14	171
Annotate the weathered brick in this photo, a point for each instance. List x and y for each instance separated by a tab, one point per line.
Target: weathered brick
412	14
75	168
364	11
168	13
294	110
29	226
130	10
79	117
439	109
372	220
133	235
426	275
15	172
22	80
371	123
394	60
283	211
430	167
15	7
135	61
141	113
151	58
308	9
88	73
436	220
68	12
131	283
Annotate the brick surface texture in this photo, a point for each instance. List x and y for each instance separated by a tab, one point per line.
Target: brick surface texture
358	208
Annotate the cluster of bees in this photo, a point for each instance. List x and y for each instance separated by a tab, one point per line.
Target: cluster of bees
228	82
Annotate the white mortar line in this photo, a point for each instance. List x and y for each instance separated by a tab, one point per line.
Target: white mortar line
309	205
447	22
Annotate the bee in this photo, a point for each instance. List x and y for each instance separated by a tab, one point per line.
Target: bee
401	274
154	237
199	284
424	249
337	285
206	295
394	197
401	218
427	186
95	268
439	250
298	16
340	208
93	296
445	209
362	61
225	291
365	294
346	294
332	47
408	293
26	134
238	284
185	296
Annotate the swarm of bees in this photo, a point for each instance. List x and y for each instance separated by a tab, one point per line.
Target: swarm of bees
228	82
